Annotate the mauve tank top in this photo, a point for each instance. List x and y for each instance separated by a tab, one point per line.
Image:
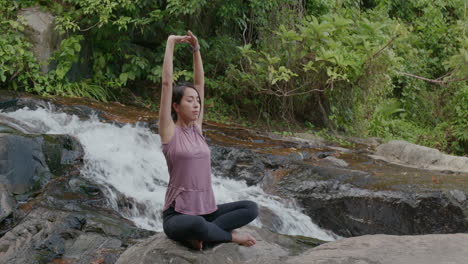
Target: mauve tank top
189	162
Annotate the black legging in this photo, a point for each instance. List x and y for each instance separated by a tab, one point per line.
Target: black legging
214	227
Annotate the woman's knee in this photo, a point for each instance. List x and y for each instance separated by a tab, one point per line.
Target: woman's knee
252	209
185	227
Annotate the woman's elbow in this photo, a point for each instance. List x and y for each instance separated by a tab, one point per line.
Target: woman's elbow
166	84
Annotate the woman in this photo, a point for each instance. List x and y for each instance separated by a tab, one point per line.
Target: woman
190	214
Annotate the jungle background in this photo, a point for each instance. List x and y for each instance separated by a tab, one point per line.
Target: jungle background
392	69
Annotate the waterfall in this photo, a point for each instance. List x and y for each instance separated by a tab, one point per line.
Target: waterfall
129	163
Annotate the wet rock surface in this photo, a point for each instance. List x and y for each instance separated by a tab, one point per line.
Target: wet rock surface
48	236
66	220
400	210
7	203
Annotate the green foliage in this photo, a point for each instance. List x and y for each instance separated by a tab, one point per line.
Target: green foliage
331	53
330	136
460	120
184	7
17	63
67	55
332	65
20	70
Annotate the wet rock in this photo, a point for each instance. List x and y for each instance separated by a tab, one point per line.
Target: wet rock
22	163
238	164
11	103
7	203
28	162
248	165
269	219
11	126
311	139
343	201
458	195
62	151
405	153
50	236
385	249
337	162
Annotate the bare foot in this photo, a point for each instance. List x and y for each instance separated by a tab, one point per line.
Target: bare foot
246	240
195	244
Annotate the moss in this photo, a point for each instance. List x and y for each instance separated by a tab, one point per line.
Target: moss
309	241
52	149
6	129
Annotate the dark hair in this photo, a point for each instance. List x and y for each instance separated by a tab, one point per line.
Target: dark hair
177	94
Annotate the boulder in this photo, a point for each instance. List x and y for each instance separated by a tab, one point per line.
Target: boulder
40	31
337	162
238	164
387	249
7	203
28	162
53	236
270	246
22	163
409	154
354	203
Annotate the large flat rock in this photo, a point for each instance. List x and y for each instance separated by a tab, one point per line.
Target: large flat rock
270	247
416	156
387	249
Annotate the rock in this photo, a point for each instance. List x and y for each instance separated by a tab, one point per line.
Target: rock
370	142
458	195
51	236
341	149
337	162
22	163
12	126
238	164
61	151
269	219
345	202
10	102
40	31
160	249
28	162
250	166
408	154
311	139
386	249
7	203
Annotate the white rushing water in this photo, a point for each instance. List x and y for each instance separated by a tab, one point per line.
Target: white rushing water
129	159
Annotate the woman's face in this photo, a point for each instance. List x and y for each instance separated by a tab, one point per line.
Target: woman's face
189	107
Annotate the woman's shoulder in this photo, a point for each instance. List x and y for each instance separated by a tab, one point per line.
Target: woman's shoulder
196	127
171	138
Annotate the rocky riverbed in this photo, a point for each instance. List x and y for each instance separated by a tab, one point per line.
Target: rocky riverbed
393	214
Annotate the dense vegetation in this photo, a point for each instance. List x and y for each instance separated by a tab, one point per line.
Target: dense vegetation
386	68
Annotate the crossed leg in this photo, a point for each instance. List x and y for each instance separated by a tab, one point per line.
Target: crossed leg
230	216
215	227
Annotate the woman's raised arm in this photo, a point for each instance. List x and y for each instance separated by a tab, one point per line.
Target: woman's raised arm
198	74
166	125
